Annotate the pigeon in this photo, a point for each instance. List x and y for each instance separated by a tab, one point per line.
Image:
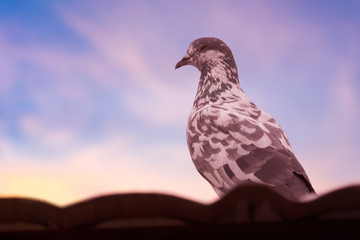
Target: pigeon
231	141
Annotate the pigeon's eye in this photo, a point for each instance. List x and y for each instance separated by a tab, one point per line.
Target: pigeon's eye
202	48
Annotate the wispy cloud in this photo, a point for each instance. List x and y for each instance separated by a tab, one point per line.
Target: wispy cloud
148	94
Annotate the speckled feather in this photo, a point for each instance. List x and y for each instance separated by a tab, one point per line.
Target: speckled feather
231	141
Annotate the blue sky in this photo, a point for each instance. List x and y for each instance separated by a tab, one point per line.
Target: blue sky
90	102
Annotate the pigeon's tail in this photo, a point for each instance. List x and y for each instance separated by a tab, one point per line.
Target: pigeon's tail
306	182
298	188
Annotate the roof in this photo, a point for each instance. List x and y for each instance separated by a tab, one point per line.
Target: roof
248	209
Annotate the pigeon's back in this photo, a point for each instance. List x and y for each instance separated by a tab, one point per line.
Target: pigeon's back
234	143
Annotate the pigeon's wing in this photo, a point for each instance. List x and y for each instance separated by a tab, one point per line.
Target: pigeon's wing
231	147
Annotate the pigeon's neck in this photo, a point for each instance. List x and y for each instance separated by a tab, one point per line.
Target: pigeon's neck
218	84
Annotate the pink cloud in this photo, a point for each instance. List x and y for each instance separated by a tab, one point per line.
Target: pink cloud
344	91
42	130
113	166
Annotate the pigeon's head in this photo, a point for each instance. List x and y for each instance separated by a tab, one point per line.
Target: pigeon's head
206	53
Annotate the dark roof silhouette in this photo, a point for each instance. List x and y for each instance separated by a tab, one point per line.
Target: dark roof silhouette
251	210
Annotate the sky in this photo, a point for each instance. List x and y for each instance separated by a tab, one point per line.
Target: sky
90	103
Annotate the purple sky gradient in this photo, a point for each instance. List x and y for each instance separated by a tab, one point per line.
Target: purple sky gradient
90	102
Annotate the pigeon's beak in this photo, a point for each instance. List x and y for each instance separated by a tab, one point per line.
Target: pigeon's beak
184	61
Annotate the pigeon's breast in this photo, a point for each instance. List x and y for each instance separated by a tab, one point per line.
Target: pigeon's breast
209	132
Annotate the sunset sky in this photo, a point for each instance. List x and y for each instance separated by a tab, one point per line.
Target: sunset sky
90	103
